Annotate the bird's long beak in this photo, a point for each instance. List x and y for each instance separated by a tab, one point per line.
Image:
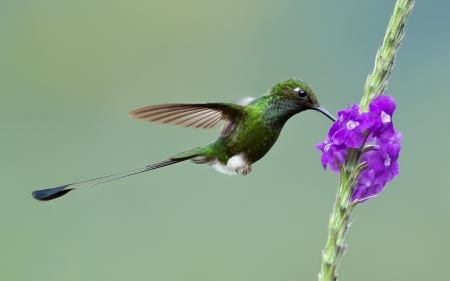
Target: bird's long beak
324	111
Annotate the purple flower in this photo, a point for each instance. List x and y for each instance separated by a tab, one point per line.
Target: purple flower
384	161
363	193
382	168
366	187
382	108
330	152
352	130
350	126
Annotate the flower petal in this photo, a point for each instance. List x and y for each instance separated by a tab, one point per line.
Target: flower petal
340	136
356	140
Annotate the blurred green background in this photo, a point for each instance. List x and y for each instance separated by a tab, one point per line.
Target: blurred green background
71	70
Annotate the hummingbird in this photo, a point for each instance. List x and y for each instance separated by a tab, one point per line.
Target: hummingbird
250	127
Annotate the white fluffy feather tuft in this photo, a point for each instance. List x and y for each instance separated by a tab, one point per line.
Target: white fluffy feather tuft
237	162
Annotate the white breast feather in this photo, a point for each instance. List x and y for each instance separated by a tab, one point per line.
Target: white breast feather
236	162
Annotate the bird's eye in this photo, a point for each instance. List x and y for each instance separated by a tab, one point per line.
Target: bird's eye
300	92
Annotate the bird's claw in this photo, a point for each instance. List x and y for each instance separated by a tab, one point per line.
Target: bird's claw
245	169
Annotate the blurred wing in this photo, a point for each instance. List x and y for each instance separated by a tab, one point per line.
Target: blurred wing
199	115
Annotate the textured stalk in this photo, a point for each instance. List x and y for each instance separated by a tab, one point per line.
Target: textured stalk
375	85
335	247
377	82
338	225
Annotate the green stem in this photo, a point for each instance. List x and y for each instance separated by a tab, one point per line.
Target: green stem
384	61
335	247
375	85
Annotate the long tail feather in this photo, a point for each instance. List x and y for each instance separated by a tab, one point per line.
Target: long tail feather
53	193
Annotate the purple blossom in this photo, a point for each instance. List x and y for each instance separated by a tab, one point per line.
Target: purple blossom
329	152
352	130
363	193
365	187
384	160
382	108
350	126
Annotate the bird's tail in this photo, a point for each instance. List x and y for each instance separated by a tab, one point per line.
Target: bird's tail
198	155
53	193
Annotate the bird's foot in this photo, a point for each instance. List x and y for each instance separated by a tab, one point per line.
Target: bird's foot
245	169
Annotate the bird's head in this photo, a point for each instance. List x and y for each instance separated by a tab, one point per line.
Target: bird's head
299	92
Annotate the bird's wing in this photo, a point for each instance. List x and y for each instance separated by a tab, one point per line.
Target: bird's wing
229	125
195	115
